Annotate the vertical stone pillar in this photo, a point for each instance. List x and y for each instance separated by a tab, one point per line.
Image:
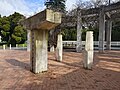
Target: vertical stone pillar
39	50
28	39
10	46
108	30
88	53
51	41
52	48
0	38
16	45
79	28
4	47
101	30
59	48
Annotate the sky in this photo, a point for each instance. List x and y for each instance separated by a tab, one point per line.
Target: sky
26	7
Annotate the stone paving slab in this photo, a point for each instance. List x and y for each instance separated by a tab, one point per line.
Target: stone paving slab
67	75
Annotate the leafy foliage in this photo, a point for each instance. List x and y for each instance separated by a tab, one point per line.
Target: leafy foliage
69	34
19	34
58	5
116	31
10	31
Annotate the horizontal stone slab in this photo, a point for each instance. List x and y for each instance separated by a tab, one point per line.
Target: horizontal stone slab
46	20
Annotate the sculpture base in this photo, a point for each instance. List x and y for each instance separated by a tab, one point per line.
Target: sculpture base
88	59
39	50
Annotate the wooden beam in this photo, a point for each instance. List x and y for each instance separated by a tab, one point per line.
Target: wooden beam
90	11
112	7
115	15
115	6
92	14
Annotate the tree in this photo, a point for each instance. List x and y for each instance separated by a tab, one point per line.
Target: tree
10	31
58	5
19	34
98	3
4	28
15	28
116	31
69	34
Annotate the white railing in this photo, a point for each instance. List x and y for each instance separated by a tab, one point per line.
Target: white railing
72	44
17	47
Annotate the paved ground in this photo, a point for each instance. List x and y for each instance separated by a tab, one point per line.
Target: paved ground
67	75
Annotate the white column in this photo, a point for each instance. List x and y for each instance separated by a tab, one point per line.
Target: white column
51	39
16	45
0	38
39	50
108	30
88	54
4	47
10	46
101	30
52	48
28	39
59	48
79	28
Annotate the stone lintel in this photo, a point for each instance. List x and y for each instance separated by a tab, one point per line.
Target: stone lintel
45	20
39	25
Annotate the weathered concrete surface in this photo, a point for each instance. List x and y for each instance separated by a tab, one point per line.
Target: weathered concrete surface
59	48
4	47
45	20
0	38
101	30
39	25
79	28
10	47
39	51
28	39
108	32
52	48
88	53
51	41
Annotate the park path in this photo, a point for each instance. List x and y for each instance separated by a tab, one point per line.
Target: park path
67	75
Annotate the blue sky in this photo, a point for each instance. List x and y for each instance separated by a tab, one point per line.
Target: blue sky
26	7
